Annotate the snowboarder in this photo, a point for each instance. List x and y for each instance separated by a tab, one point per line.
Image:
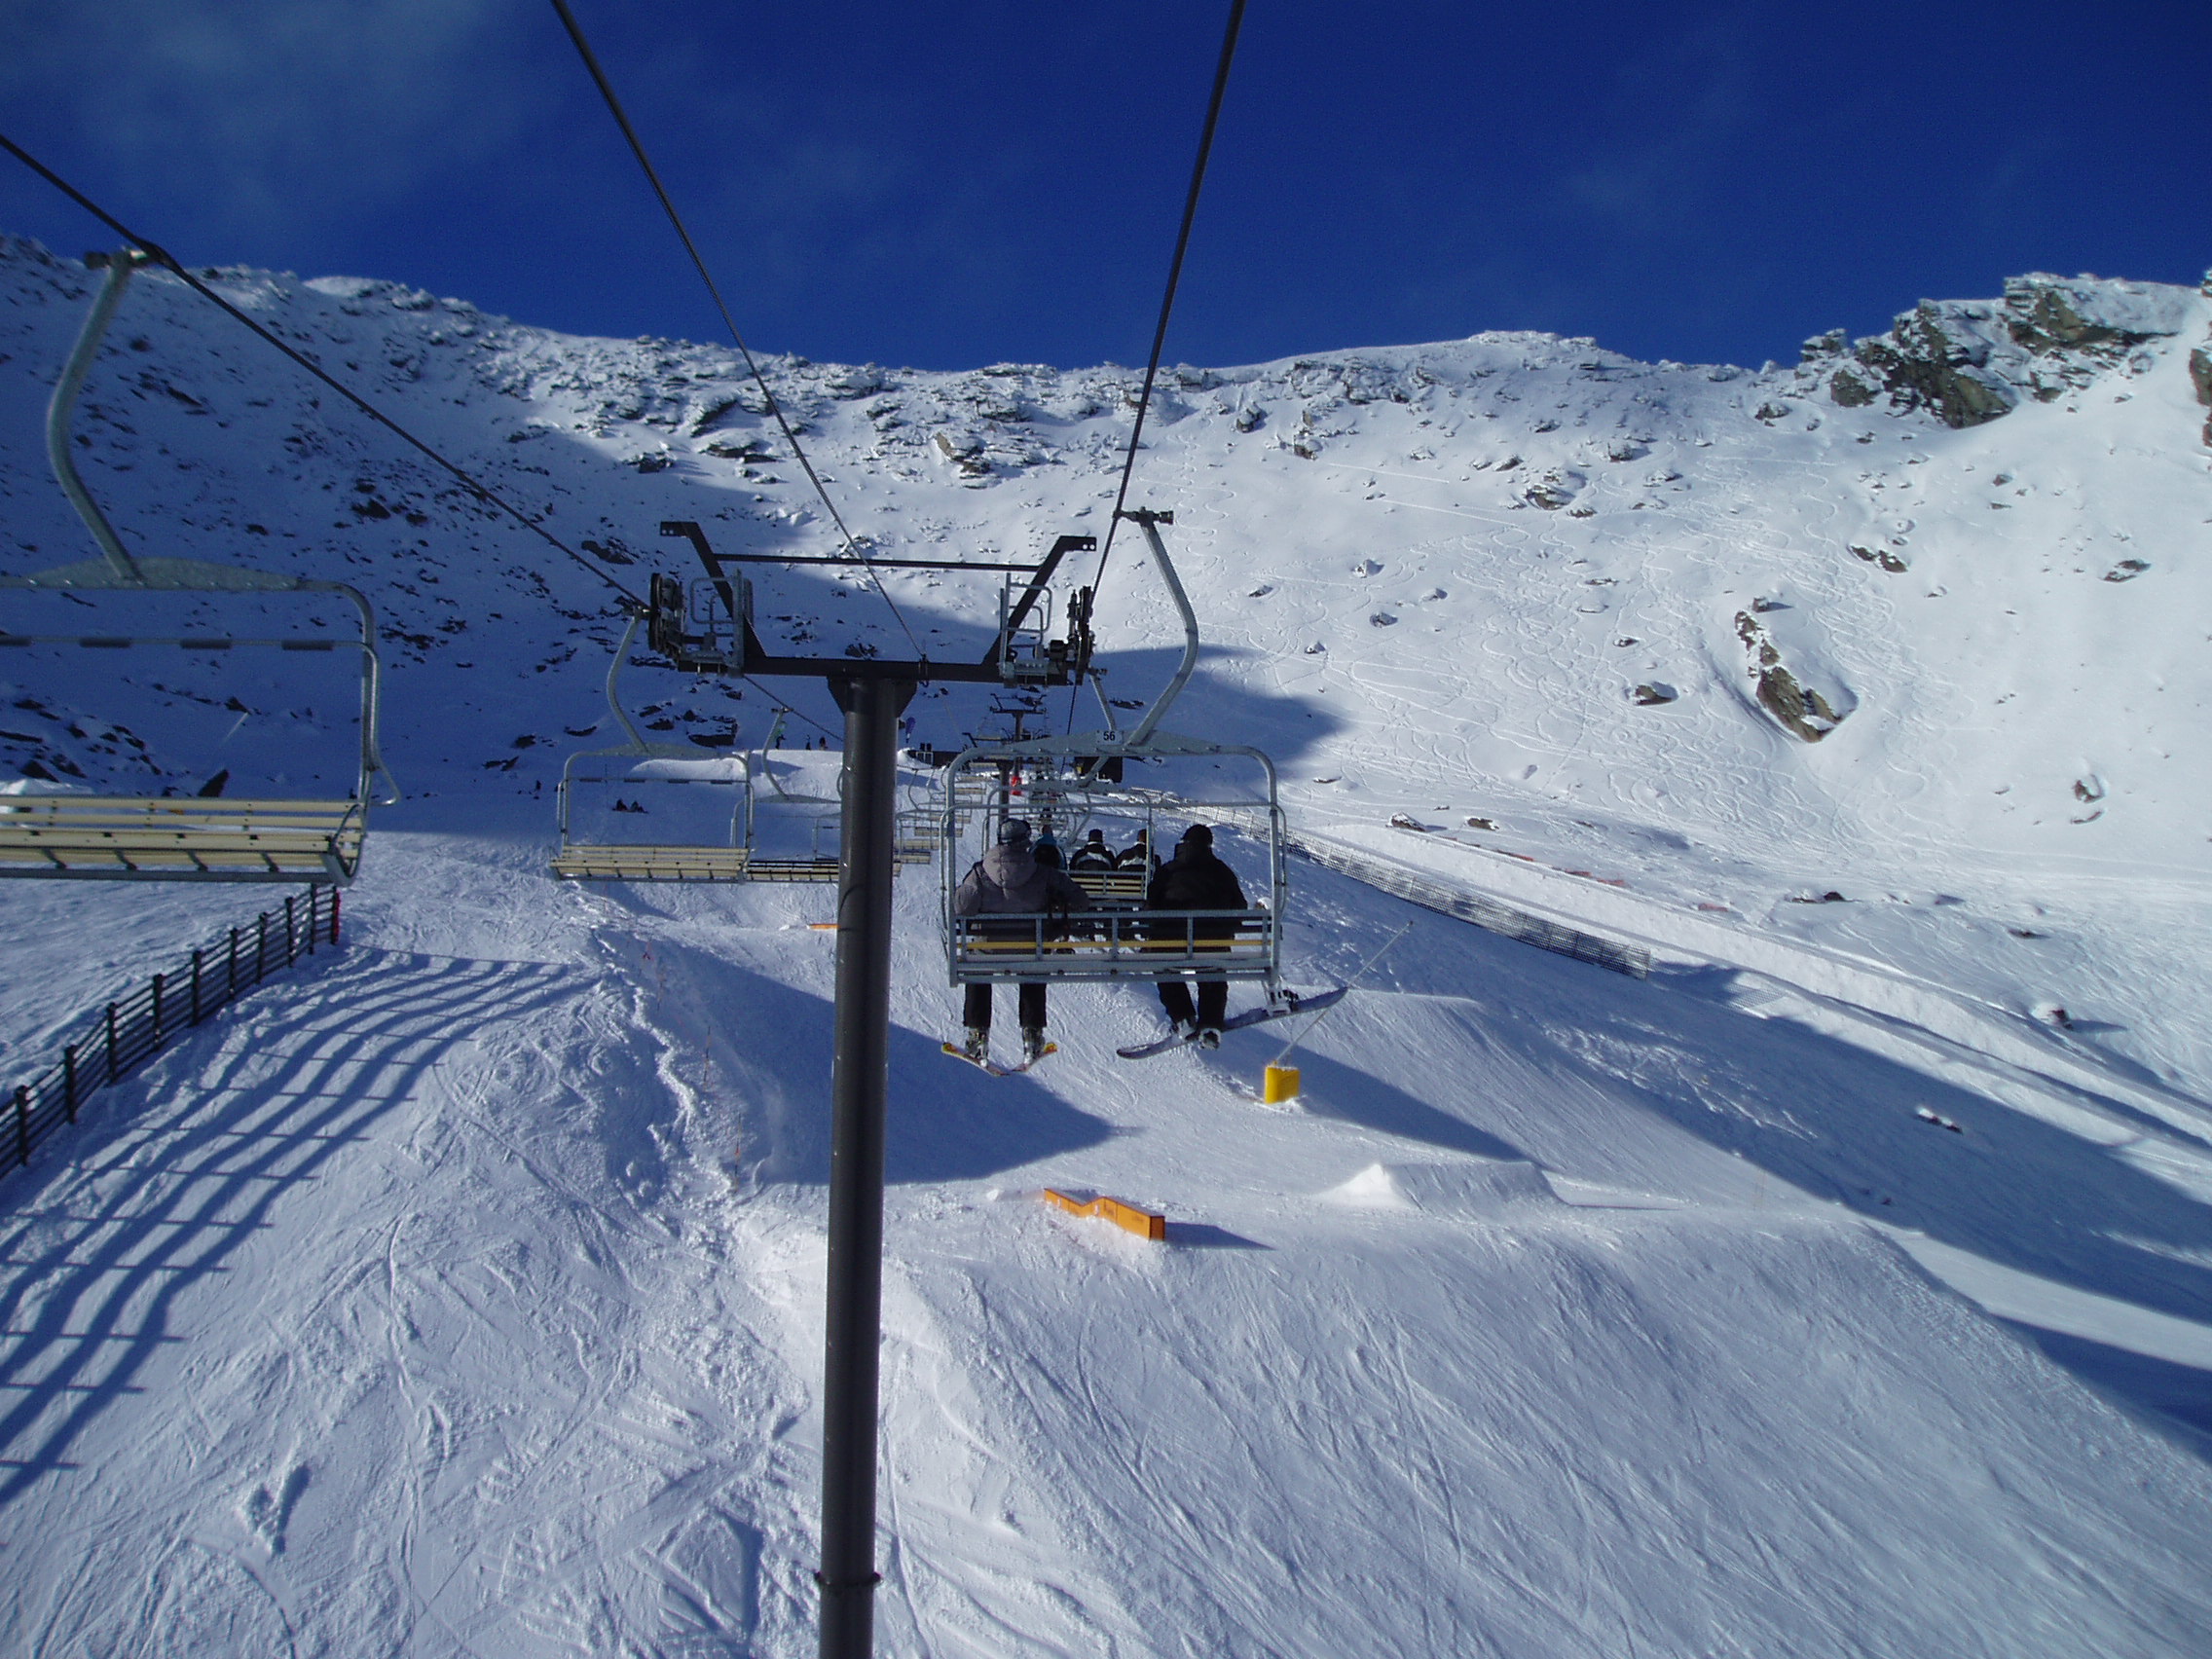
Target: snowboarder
1193	879
1009	881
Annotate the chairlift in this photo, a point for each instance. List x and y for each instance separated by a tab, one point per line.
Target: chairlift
167	838
765	831
1056	783
706	626
1092	779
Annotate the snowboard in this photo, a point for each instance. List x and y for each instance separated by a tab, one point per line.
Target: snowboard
1292	1003
987	1064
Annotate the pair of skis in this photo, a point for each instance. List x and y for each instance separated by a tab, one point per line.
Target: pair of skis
985	1062
1291	1004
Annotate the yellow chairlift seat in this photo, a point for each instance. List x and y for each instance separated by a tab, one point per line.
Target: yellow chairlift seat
154	839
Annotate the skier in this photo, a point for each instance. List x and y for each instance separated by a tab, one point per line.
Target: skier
1093	854
1009	881
1137	856
1047	852
1193	879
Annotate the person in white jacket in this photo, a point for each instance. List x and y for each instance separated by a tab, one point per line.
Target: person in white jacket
1008	881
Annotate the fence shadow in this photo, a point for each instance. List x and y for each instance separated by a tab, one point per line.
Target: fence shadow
173	1172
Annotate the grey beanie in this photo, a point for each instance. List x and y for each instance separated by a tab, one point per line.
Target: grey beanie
1013	833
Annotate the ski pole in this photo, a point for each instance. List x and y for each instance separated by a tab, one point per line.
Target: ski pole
1364	969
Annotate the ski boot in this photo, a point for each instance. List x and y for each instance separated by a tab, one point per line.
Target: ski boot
977	1045
1032	1044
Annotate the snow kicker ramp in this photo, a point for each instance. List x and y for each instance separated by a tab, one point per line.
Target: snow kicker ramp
463	1297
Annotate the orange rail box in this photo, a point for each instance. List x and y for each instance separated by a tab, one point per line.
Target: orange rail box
1141	1222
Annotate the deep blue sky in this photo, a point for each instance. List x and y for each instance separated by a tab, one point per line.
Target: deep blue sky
953	184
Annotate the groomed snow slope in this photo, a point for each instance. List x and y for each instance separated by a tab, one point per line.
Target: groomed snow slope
462	1296
419	1307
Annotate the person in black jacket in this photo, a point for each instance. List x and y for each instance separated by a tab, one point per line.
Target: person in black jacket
1093	854
1137	856
1193	879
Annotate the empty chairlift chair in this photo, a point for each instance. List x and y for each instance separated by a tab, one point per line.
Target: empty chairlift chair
643	811
147	837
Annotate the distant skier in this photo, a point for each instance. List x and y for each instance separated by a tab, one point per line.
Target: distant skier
1008	881
1047	850
1137	856
1093	854
1193	879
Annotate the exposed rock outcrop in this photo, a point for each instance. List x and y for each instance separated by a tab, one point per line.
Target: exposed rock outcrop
1803	712
1552	488
2200	376
1968	361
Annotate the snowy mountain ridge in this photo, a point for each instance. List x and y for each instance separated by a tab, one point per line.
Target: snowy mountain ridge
1729	636
1831	1293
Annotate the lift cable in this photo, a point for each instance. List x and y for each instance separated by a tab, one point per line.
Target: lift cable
167	261
699	263
1174	276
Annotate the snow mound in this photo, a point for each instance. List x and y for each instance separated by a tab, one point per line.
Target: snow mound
1473	1186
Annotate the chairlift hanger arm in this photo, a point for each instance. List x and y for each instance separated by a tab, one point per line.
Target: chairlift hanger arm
63	405
1061	548
1148	521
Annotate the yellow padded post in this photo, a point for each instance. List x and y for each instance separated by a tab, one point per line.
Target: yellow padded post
1279	1085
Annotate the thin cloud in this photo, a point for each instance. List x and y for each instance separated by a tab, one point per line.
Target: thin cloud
267	112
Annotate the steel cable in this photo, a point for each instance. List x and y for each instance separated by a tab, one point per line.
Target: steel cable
1174	276
169	262
700	264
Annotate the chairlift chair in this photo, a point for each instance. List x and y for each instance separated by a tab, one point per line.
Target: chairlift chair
166	838
1078	781
654	768
1118	937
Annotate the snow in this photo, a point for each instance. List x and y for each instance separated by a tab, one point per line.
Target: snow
461	1293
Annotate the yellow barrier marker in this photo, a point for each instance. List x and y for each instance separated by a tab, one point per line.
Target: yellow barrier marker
1279	1086
1141	1222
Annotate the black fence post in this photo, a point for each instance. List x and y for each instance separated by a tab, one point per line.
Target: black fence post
128	1048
